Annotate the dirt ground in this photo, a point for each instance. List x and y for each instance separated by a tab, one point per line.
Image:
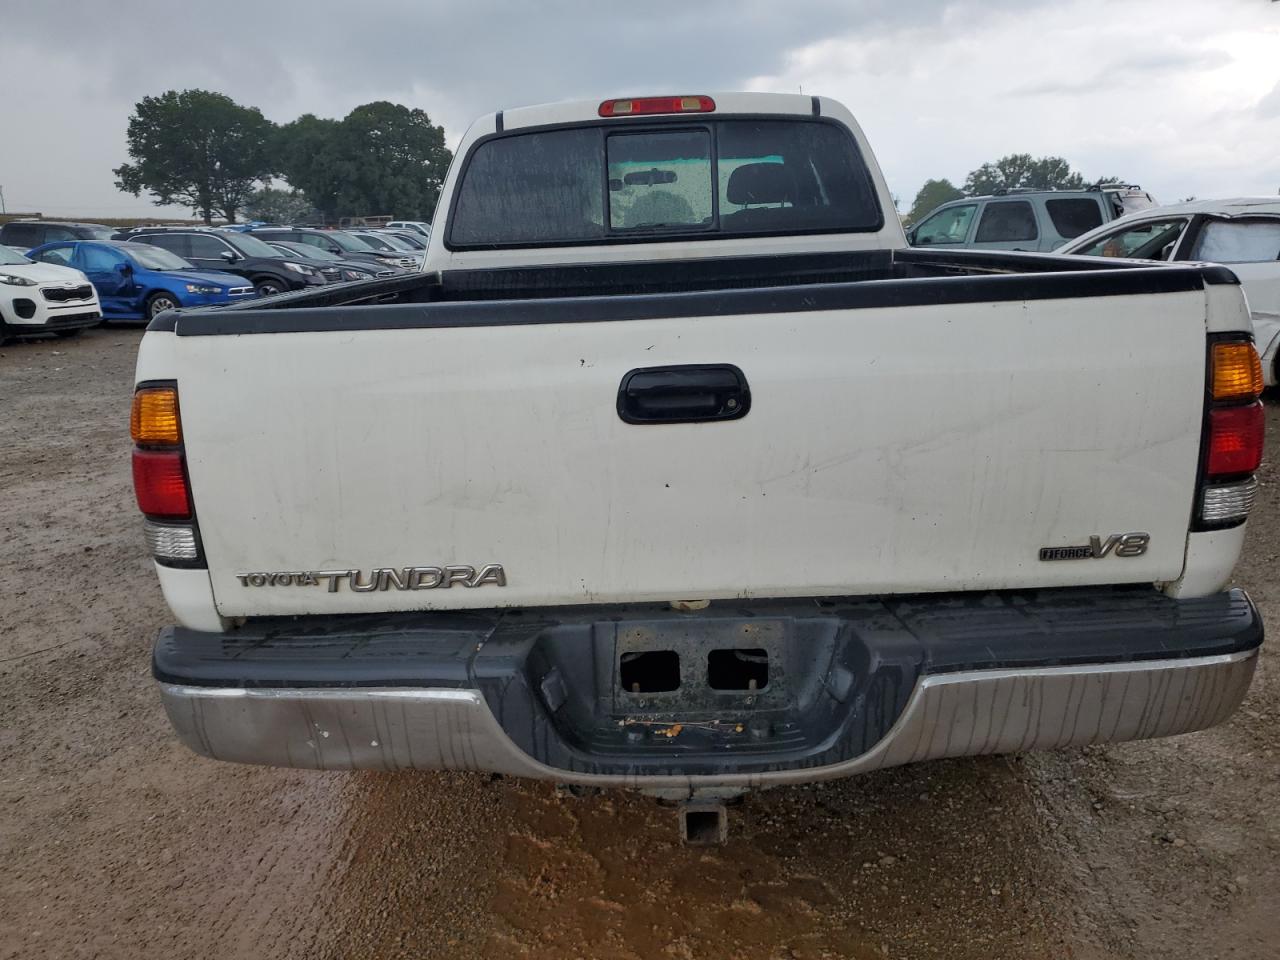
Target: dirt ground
116	842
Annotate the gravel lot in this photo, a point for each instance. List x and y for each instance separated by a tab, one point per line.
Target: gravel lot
116	842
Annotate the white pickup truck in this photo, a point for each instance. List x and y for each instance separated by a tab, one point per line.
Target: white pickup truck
677	469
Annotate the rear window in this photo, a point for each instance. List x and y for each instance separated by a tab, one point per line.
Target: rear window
1074	217
614	183
20	234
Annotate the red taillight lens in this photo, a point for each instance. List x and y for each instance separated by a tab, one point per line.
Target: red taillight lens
639	106
1235	440
160	484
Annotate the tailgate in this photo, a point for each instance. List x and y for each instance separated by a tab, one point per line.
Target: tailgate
886	450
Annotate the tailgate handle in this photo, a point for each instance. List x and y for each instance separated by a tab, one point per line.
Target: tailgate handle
690	393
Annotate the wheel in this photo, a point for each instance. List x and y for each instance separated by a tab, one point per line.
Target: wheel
268	287
68	334
159	303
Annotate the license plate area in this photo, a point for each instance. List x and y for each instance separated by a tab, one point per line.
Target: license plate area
688	668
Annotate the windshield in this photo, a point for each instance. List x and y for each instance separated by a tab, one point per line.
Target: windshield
377	243
347	242
250	246
397	243
96	233
606	182
306	252
11	257
156	258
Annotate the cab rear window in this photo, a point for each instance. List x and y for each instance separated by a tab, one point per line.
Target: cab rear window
616	183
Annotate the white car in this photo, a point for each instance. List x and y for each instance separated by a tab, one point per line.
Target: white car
1242	233
44	298
417	226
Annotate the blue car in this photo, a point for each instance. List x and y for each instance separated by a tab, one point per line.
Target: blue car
136	282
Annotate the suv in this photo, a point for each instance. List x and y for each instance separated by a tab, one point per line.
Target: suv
29	234
391	245
1026	219
235	253
338	242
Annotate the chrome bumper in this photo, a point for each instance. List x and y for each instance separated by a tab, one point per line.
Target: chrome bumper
947	715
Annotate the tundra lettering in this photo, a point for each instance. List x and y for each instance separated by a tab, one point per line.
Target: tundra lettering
383	578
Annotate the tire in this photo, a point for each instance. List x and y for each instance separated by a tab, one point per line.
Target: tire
269	287
158	303
68	334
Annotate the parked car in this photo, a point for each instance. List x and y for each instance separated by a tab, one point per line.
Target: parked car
390	245
29	234
240	253
1025	220
697	484
348	269
44	298
417	226
1242	233
337	242
416	241
136	281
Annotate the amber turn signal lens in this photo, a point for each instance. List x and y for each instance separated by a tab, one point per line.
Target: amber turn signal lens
154	418
1237	371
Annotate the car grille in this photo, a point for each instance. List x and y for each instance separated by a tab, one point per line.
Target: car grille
331	274
239	291
63	294
385	273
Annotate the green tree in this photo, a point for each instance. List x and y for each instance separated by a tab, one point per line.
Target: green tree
309	156
278	206
1022	170
196	148
934	193
382	158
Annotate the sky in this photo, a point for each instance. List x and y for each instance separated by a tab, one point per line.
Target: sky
1180	96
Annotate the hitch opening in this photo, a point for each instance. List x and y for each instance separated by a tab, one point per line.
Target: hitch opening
703	824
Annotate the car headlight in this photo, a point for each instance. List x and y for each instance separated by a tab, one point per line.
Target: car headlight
14	281
357	275
299	268
200	288
389	261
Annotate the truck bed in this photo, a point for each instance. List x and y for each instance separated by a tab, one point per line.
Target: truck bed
799	281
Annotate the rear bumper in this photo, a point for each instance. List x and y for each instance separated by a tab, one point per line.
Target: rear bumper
852	687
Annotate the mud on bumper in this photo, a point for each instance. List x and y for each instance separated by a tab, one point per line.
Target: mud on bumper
738	695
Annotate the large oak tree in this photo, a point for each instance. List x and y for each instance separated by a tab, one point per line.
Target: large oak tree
196	148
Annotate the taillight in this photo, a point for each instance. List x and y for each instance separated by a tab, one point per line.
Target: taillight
1236	371
1235	440
160	481
1234	426
160	484
640	106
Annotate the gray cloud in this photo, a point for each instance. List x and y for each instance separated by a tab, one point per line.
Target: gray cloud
932	71
1130	71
